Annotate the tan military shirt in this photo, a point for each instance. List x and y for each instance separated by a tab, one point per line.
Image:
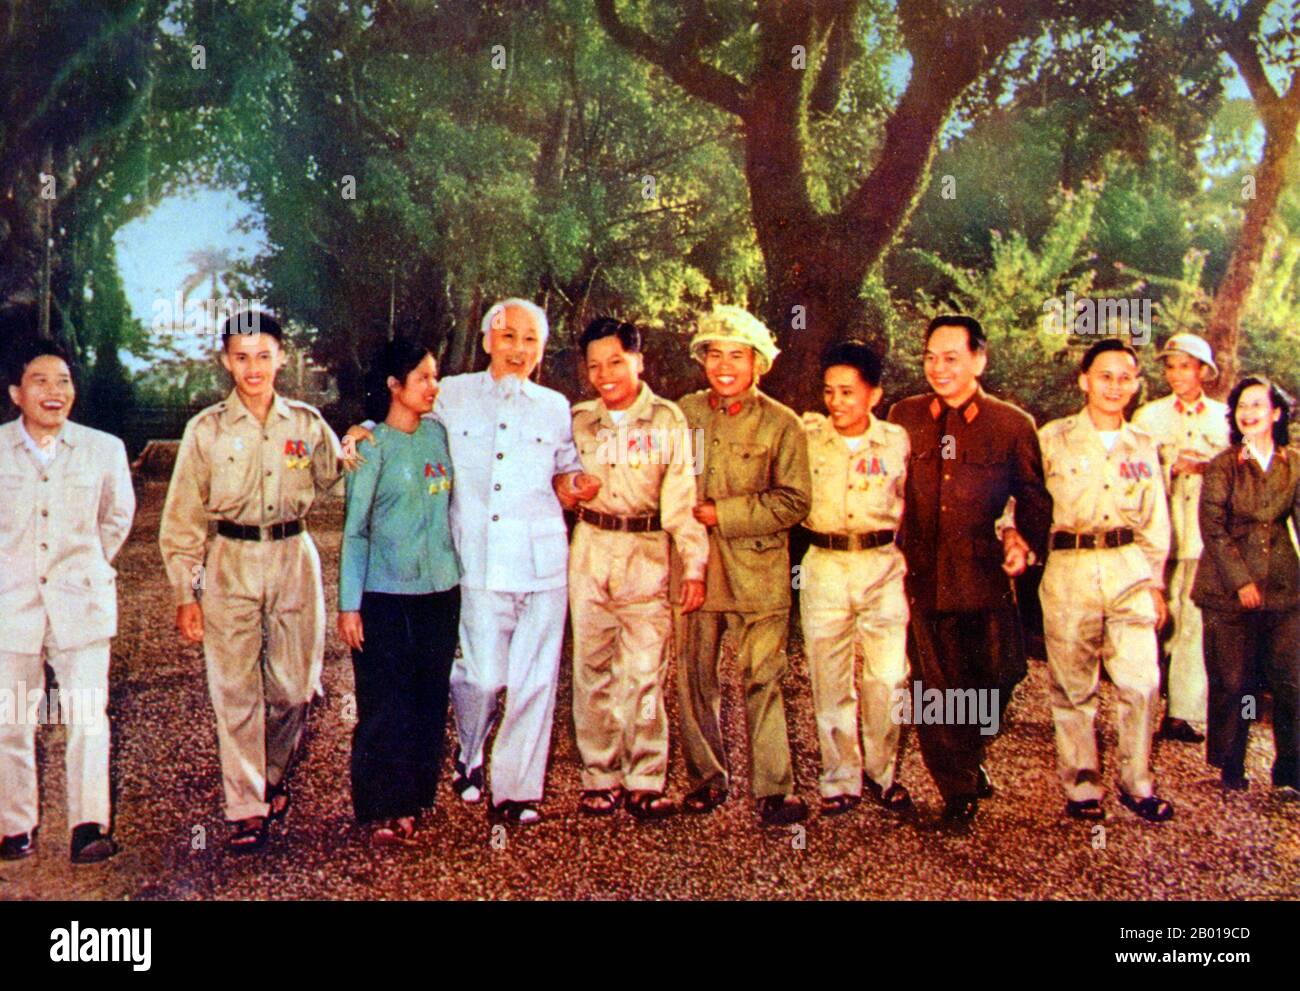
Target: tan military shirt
1094	490
1197	431
856	491
645	465
231	467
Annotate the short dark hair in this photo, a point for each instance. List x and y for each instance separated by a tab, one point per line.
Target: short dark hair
602	327
854	354
975	337
250	322
1276	396
396	358
1104	345
29	352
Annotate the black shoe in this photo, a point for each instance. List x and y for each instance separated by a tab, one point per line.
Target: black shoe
960	811
18	846
984	789
1179	731
782	810
1152	808
895	798
1234	781
1089	810
90	844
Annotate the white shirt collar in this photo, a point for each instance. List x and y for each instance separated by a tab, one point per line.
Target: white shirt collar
44	454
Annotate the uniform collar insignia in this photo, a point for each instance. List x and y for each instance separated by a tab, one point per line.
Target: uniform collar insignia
731	409
969	409
1182	407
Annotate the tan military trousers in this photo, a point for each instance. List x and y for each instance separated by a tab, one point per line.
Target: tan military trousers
1096	602
850	597
82	675
1188	687
760	657
261	702
618	599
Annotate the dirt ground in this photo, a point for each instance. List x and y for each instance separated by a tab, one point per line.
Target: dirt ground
167	802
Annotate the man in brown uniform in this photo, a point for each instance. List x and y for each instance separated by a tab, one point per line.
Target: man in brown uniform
638	447
253	464
969	453
753	488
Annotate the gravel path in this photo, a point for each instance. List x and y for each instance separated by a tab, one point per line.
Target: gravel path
168	817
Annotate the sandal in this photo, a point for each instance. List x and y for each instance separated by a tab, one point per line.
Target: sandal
703	800
519	813
249	835
1088	809
600	801
393	832
468	786
647	806
895	798
834	805
1152	808
273	792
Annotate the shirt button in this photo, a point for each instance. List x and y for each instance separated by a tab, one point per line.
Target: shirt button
495	517
42	579
270	507
45	547
45	512
503	426
45	478
268	474
497	487
500	456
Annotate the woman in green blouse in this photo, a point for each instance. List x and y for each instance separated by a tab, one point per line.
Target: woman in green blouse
1248	583
399	599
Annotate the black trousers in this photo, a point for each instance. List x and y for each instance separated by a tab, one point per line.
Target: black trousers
402	679
981	650
1240	647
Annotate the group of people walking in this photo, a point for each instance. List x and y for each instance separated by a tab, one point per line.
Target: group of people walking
457	573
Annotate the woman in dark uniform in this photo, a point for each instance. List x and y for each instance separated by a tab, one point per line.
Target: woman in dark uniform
1250	591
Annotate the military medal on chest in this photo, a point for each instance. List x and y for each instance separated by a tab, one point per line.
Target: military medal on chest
297	454
437	477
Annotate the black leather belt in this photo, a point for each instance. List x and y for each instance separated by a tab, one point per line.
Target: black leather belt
849	541
627	524
1065	540
276	531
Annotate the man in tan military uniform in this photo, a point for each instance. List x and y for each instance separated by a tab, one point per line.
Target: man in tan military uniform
638	447
1101	589
752	488
851	582
256	477
1190	428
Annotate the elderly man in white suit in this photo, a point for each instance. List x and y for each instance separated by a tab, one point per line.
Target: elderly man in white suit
509	439
66	506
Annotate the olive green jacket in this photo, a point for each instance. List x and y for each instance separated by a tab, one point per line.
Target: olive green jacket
752	461
1243	514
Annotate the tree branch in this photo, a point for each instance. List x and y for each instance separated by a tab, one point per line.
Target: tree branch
682	64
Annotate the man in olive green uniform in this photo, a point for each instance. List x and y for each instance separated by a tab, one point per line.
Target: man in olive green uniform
253	464
1101	589
1190	428
753	487
638	447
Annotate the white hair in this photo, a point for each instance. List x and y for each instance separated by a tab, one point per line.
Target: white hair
529	307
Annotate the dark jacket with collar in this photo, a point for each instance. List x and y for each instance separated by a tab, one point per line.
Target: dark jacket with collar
960	474
1243	514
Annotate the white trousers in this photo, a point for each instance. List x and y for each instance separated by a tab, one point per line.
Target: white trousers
508	640
1188	686
82	675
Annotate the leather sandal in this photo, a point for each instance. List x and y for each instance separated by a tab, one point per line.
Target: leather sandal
1089	810
249	835
464	781
895	798
834	805
648	806
600	801
703	800
274	792
393	832
1152	808
518	813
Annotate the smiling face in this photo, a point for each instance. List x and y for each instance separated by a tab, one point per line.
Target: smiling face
614	372
951	367
253	361
45	395
514	343
849	400
729	368
419	390
1255	414
1110	382
1185	376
